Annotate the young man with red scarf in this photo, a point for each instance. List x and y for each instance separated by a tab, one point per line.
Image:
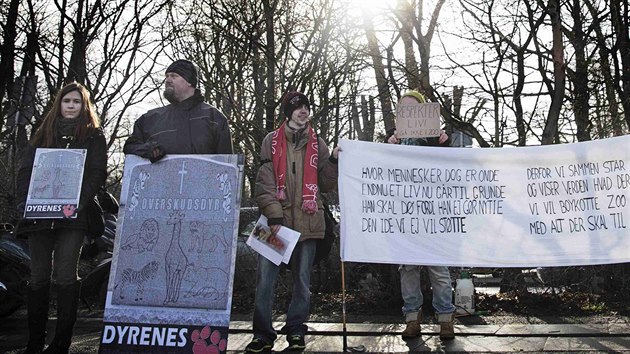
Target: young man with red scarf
295	167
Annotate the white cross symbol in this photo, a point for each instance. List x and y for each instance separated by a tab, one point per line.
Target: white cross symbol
182	172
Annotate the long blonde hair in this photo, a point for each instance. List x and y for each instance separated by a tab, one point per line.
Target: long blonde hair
87	122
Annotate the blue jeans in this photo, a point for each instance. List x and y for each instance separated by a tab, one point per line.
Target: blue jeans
61	247
412	293
299	308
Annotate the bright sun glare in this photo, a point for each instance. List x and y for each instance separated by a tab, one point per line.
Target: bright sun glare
373	6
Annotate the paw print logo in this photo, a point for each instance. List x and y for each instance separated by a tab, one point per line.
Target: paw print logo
68	210
201	346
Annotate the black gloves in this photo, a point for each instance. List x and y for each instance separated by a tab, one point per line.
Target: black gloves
156	153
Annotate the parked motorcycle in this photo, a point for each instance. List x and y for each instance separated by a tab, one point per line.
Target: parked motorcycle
15	263
96	257
94	263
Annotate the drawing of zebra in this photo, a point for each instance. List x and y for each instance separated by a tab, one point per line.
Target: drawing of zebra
132	278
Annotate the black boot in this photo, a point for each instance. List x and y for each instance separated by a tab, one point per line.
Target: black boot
67	303
37	308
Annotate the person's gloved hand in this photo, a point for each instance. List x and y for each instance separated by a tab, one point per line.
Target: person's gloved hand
157	154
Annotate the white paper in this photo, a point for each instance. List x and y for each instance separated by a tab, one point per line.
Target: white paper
278	248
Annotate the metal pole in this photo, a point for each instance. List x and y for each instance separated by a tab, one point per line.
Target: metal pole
343	307
356	349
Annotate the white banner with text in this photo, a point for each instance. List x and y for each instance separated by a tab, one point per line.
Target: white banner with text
555	205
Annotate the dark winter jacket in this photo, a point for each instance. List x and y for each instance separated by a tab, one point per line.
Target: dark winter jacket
188	127
94	176
289	212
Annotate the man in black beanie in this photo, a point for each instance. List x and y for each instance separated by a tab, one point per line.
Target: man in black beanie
170	129
292	101
181	81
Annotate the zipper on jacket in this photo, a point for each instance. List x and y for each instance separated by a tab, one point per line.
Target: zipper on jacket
52	225
192	145
68	140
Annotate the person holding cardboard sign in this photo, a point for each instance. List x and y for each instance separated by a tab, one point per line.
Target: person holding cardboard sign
410	286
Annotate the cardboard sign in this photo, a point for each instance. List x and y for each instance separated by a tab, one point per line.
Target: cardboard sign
55	187
417	120
172	274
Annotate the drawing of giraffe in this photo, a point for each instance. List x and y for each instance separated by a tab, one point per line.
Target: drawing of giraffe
57	183
175	260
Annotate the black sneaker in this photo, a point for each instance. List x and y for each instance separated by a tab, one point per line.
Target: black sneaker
258	345
296	342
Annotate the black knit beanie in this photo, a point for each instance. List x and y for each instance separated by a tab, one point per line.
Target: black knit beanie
292	101
185	69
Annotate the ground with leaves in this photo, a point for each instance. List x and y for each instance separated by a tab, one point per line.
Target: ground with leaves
501	308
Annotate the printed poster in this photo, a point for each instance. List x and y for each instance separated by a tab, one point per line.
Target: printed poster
171	281
534	206
55	187
276	248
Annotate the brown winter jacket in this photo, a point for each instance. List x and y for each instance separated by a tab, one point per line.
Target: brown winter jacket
289	211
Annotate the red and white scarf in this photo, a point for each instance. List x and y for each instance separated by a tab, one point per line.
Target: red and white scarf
309	181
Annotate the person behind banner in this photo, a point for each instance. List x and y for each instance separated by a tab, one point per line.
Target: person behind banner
295	168
187	125
410	285
71	123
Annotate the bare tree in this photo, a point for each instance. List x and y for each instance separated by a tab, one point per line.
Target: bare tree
379	72
551	127
580	76
7	51
605	68
620	21
252	57
113	50
406	16
109	46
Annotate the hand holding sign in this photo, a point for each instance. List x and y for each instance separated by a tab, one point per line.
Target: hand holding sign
69	210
